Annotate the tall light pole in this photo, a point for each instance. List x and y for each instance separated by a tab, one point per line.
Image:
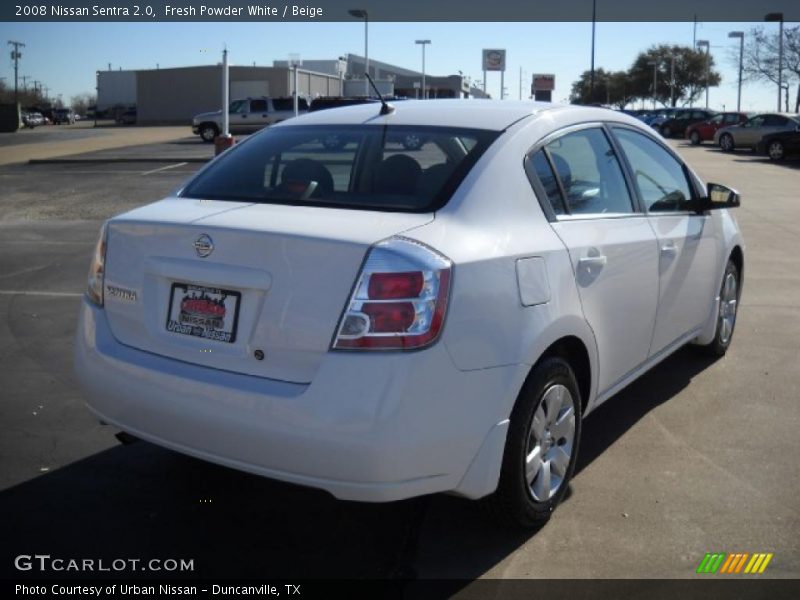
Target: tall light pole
360	13
705	44
672	80
771	18
654	64
740	35
423	43
295	62
591	72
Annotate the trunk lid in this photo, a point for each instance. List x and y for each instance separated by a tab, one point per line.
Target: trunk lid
273	285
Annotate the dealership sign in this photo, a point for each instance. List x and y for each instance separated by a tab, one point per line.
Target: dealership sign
494	60
543	82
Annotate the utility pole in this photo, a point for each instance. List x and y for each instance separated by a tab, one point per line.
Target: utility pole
15	56
25	81
37	86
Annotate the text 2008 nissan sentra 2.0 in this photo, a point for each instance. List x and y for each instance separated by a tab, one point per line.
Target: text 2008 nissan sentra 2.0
383	322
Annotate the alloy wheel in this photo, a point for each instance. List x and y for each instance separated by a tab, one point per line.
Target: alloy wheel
550	443
728	303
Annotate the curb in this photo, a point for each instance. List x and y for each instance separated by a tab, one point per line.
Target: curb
75	161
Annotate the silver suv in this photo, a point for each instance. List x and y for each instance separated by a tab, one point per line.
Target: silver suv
247	116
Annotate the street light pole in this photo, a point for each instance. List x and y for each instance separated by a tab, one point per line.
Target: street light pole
591	74
672	80
772	17
360	13
740	35
655	71
423	43
707	45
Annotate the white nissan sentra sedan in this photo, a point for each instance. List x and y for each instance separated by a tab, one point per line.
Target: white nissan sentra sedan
383	322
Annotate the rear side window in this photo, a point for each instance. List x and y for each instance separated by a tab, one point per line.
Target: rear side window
589	173
258	105
371	167
540	167
660	178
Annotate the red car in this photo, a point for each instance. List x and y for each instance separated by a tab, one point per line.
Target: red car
704	131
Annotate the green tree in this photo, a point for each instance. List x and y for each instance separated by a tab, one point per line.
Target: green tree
689	69
610	88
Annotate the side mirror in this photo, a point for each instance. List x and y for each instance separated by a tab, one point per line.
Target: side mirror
719	196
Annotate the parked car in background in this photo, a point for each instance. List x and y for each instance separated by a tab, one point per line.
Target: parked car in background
127	118
33	119
749	133
780	145
657	117
675	125
247	115
63	116
704	131
383	323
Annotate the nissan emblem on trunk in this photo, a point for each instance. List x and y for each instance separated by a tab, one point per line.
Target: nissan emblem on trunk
204	246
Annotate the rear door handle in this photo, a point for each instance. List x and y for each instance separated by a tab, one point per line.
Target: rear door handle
592	261
669	248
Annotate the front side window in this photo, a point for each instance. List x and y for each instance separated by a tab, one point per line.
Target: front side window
394	168
238	106
590	173
659	176
716	120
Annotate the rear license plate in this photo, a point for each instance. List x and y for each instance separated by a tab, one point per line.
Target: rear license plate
205	312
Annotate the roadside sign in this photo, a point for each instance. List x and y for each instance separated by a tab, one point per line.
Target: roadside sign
543	82
494	60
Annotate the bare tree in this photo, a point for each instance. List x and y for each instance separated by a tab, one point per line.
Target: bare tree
82	102
760	60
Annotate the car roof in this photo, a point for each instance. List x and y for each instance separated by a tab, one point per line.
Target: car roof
473	114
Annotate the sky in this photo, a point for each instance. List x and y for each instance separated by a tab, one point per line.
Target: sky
65	56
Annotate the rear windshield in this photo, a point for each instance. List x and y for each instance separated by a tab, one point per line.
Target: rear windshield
370	167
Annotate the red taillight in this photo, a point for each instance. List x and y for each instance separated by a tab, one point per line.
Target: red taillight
400	299
388	286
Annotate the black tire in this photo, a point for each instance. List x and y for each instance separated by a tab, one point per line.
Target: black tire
726	142
666	131
776	150
722	336
514	503
208	131
694	138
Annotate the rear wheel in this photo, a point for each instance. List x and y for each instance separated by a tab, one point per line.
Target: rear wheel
208	131
776	150
726	142
726	315
666	131
694	138
541	447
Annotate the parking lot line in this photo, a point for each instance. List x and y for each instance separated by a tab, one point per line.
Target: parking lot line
38	293
175	166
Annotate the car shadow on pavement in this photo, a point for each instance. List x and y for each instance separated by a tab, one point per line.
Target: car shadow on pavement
142	501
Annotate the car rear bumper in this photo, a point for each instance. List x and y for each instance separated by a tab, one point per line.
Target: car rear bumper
369	427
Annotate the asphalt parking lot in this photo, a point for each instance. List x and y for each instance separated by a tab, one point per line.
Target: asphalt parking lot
697	456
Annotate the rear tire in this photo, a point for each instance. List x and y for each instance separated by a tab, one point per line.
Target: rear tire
729	294
666	132
776	150
541	447
694	138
